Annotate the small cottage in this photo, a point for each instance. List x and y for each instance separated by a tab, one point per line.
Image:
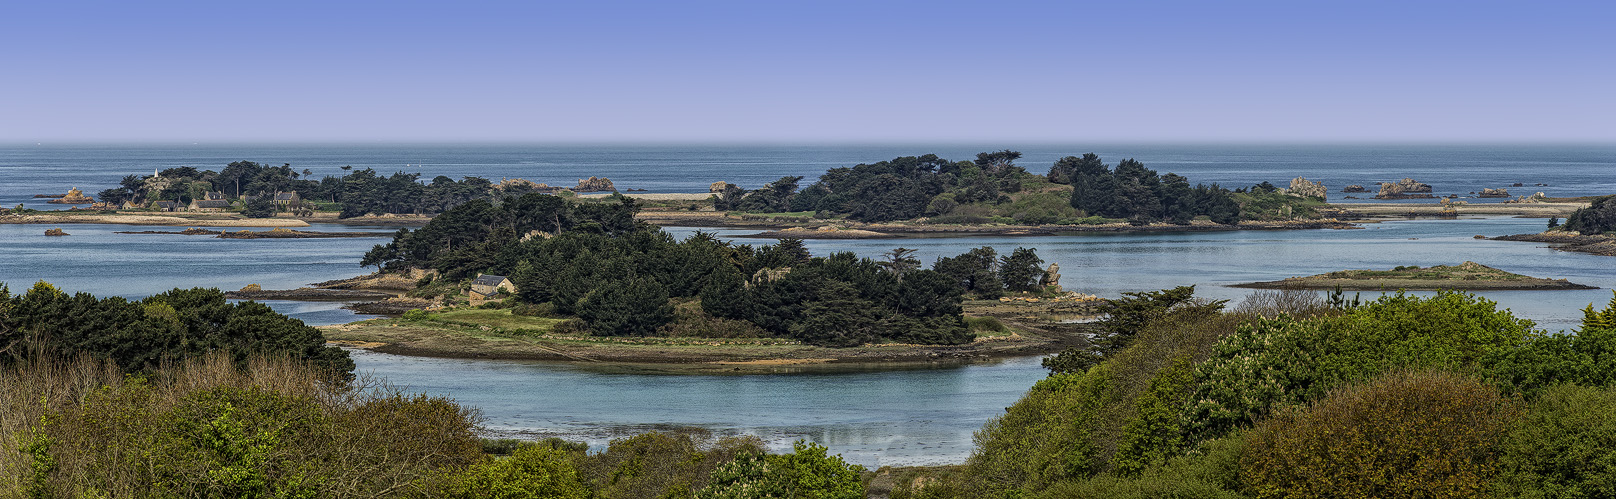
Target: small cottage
209	205
288	199
485	286
166	206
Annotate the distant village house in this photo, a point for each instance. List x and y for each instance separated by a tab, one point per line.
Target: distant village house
209	205
486	286
288	199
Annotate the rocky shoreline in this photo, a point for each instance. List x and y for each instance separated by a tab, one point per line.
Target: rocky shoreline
689	354
1595	245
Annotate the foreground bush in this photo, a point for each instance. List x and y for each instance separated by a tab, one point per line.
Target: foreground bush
1415	435
660	464
208	428
1565	447
532	472
1273	364
806	473
1119	416
171	326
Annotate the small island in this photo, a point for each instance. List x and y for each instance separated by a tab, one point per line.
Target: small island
1466	276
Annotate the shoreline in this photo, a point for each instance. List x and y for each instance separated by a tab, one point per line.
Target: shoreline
1594	245
687	355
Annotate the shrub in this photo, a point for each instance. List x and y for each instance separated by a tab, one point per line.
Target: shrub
532	472
1408	434
1270	364
807	472
984	324
208	428
1564	447
661	464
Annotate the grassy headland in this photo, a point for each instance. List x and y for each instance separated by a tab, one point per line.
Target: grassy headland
1470	276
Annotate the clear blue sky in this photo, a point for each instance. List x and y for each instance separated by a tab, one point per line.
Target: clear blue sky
808	71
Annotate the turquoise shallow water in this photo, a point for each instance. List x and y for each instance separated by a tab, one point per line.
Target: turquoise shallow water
912	416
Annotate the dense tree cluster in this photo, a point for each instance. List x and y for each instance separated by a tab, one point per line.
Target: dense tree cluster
140	335
473	236
358	191
593	261
900	189
1598	218
1139	194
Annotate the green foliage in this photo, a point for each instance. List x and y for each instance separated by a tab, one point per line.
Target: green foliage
1270	364
659	464
1603	319
1021	270
1138	194
1586	358
207	428
984	325
1268	205
976	271
1598	218
531	472
807	473
1153	436
1120	416
1564	446
634	307
260	207
1125	318
1414	435
1212	473
173	325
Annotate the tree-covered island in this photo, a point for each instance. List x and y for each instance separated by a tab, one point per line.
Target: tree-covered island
592	270
906	194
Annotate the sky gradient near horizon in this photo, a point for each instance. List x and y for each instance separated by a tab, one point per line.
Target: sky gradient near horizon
824	71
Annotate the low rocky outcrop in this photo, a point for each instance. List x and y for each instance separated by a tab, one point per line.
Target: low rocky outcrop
720	186
1404	189
1569	241
1493	193
73	196
594	184
1354	188
55	232
1303	188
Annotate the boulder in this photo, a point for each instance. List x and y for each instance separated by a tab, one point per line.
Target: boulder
1404	189
1304	188
720	186
594	184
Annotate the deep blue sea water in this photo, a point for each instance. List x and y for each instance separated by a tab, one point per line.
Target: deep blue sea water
918	416
1569	169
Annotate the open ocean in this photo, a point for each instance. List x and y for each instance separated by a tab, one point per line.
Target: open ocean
1568	169
896	417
